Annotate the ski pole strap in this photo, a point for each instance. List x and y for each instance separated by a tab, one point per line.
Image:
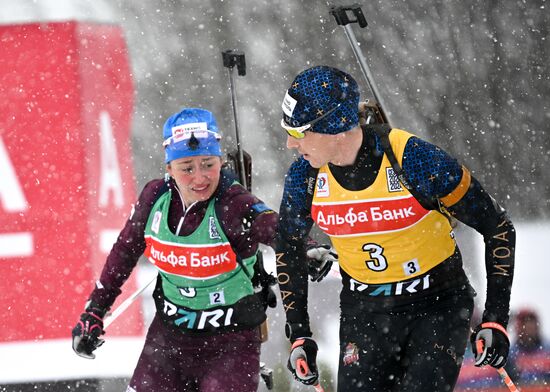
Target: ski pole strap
297	343
383	132
494	325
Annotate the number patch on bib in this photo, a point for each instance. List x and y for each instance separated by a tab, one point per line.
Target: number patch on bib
217	298
411	267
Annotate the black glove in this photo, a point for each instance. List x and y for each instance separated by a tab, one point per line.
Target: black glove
490	345
263	283
87	331
302	361
267	296
320	259
271	297
264	289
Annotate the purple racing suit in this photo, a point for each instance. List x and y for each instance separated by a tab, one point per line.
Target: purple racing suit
176	360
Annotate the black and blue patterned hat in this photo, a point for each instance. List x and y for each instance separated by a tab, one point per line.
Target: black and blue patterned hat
322	91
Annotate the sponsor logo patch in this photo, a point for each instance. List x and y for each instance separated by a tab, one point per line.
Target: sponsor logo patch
367	216
393	182
390	289
185	318
184	132
322	185
192	261
351	354
212	229
288	105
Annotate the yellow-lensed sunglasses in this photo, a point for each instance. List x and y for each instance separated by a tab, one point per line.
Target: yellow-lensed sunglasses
299	132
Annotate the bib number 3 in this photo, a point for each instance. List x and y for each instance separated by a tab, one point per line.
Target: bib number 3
377	260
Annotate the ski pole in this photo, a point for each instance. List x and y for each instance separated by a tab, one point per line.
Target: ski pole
507	380
232	58
110	317
342	16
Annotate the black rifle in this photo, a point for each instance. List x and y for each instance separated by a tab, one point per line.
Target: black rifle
345	16
241	163
238	160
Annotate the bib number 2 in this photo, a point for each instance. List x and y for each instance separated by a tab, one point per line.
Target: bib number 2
377	260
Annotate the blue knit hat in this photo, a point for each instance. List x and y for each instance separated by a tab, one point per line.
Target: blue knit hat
191	132
322	91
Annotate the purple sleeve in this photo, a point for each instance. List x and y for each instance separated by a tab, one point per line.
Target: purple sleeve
126	251
247	221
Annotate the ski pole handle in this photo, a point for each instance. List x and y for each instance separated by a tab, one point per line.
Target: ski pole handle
507	380
303	370
480	343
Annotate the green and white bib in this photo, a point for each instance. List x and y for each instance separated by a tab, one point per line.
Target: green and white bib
199	271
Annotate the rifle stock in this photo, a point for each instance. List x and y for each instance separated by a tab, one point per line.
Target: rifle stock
233	163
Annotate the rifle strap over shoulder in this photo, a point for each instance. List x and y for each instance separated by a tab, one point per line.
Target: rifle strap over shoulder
311	181
383	132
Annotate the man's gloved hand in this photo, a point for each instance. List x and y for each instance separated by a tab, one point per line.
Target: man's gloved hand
320	258
490	344
302	361
87	331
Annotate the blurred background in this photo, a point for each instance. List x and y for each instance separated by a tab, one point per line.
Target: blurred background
470	76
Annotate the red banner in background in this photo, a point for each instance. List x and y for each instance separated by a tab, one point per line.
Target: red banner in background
66	174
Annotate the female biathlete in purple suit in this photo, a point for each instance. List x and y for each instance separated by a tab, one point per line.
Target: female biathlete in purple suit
201	229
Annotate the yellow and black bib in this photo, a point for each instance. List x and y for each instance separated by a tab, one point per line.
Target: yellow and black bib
382	234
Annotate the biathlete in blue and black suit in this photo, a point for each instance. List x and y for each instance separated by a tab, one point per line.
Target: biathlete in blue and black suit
405	301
